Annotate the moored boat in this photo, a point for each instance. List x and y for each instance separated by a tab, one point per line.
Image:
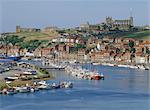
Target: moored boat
11	91
43	85
97	76
141	67
55	86
66	84
83	73
23	89
94	63
15	58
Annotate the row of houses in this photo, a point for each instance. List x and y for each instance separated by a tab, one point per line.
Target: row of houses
125	50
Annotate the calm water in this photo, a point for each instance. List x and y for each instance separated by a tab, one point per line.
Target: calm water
122	89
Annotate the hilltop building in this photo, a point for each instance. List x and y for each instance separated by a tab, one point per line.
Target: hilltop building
109	24
120	24
85	26
51	29
20	29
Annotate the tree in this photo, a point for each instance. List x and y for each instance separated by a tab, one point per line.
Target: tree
31	45
105	26
117	50
13	39
147	51
6	40
79	46
131	44
10	39
133	50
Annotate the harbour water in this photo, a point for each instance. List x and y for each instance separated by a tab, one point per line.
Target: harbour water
122	89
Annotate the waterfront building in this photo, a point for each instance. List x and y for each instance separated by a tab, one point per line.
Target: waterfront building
13	50
141	59
81	54
61	47
43	52
118	40
126	57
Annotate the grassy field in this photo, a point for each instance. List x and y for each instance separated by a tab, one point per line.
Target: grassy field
35	35
143	35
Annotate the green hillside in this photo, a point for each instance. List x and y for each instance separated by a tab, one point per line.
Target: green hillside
29	40
143	35
35	35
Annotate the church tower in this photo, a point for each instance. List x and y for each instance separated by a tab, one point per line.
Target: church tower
18	29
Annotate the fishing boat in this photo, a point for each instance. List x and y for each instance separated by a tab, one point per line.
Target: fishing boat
81	73
55	86
14	58
32	89
147	68
42	85
66	84
94	63
97	76
11	91
4	91
141	67
109	64
133	67
123	66
23	89
11	78
41	82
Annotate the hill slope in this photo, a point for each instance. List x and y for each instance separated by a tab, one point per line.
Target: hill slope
142	35
35	35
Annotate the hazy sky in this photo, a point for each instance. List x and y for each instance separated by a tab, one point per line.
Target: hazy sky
69	13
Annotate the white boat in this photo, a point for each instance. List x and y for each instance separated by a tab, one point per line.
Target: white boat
96	63
147	67
133	67
11	91
13	77
141	67
27	73
66	84
83	73
43	85
123	66
55	86
109	64
23	89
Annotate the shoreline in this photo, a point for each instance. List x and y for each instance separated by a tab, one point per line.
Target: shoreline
42	74
132	66
141	66
19	83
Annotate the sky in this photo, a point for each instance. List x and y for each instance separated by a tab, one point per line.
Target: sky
69	13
